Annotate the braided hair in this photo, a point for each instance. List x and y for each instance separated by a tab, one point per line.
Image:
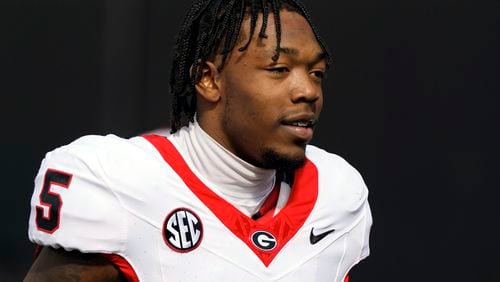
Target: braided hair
211	28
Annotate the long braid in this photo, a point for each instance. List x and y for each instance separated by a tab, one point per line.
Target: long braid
253	24
178	80
276	12
214	28
230	24
211	28
236	22
265	15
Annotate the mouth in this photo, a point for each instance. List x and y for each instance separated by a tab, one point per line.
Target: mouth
300	126
301	123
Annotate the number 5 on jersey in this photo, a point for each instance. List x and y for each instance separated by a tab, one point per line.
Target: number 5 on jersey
49	212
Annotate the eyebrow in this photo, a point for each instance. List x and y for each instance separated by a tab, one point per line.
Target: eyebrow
289	51
294	52
321	56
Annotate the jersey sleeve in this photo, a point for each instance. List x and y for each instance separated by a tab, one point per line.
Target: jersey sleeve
365	250
73	206
348	197
359	207
360	204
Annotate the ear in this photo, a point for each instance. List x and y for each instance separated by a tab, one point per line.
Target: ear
209	85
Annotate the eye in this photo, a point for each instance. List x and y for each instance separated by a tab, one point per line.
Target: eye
278	70
319	74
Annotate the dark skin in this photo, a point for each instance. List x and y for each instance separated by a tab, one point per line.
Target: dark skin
60	265
251	89
249	106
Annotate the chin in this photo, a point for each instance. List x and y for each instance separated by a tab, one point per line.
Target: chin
273	159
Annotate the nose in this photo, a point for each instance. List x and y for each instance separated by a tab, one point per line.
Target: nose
304	88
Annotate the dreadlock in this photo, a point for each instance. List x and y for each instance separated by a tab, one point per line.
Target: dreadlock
212	27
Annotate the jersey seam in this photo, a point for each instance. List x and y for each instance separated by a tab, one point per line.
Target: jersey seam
343	256
360	256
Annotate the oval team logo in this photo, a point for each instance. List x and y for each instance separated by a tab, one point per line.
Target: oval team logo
264	240
182	230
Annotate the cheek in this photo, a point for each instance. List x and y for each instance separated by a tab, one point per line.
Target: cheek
319	104
240	105
252	101
246	101
250	121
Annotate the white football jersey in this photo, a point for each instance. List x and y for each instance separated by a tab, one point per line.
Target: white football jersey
139	200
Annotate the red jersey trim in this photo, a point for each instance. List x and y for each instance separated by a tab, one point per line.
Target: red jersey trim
283	226
267	209
122	264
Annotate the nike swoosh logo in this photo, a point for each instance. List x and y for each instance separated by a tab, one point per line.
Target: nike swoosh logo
316	238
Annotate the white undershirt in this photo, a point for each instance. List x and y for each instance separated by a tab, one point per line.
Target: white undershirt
243	185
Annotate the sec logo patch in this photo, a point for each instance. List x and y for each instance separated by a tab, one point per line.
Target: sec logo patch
182	230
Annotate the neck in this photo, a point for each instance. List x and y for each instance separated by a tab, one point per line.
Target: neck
238	182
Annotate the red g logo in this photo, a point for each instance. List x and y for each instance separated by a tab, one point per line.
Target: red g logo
264	240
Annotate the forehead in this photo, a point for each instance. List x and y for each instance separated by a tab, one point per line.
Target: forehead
297	36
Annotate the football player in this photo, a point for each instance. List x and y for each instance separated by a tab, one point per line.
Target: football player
235	192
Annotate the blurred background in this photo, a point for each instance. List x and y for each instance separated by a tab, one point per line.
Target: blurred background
411	101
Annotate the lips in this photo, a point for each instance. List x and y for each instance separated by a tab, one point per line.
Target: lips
300	125
302	120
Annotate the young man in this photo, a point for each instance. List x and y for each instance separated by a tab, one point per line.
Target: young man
235	193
